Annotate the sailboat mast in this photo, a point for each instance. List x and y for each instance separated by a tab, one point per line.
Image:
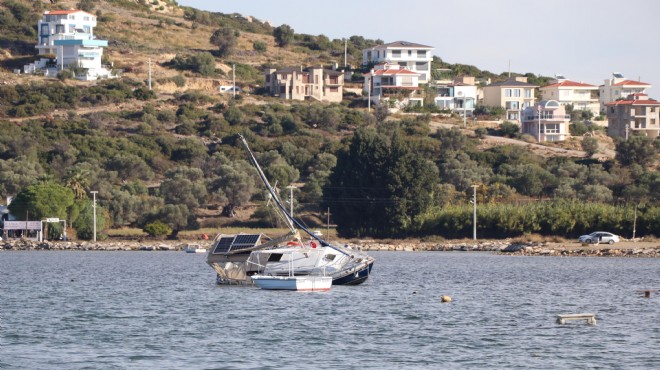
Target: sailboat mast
292	222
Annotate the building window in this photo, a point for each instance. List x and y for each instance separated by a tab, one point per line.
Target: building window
87	29
507	93
516	93
421	53
396	53
267	78
334	89
368	56
72	28
59	28
551	128
86	18
45	30
409	53
528	93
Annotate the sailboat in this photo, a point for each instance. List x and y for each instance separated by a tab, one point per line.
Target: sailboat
236	258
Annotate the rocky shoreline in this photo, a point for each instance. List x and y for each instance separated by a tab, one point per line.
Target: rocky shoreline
507	247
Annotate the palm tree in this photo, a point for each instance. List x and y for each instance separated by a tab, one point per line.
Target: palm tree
78	180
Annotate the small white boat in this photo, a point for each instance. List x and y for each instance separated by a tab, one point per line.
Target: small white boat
194	248
300	283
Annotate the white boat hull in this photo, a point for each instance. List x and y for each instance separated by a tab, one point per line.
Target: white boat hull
298	283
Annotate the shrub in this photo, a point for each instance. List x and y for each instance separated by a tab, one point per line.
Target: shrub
157	229
259	46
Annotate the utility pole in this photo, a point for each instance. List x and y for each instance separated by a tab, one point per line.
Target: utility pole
635	222
94	207
345	53
474	211
233	77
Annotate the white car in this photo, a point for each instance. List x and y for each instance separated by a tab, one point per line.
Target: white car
599	237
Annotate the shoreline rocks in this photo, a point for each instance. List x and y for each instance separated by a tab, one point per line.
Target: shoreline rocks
503	247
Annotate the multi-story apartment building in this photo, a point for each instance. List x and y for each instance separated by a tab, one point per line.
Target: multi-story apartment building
298	83
636	115
413	57
546	121
392	82
68	35
514	94
618	87
578	94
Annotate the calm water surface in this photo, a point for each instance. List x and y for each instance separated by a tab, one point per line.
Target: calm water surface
145	310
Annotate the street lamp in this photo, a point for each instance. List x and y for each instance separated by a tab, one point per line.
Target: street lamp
94	207
539	112
474	211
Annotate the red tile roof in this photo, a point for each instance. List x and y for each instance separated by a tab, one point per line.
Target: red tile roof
633	102
380	72
570	84
631	82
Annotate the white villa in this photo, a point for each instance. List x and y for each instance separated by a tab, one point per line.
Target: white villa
580	95
68	35
618	87
413	57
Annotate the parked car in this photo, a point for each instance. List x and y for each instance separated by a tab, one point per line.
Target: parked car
230	89
599	237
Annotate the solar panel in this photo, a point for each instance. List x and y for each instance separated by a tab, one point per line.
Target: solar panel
617	75
245	241
223	245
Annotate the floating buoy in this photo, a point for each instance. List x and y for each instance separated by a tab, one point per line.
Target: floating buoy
445	299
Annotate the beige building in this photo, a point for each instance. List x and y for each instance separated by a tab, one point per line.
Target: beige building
311	83
580	95
546	121
636	115
514	94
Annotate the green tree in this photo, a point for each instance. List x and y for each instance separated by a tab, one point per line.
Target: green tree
590	145
226	40
379	186
284	34
82	219
233	183
41	201
637	150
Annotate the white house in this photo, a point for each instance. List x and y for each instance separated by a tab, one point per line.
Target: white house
459	96
393	82
68	35
618	87
580	95
413	57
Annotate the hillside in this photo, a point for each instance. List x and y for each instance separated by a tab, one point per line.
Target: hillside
171	153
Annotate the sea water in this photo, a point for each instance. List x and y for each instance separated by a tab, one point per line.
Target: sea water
163	310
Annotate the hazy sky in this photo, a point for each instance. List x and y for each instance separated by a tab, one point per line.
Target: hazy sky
585	40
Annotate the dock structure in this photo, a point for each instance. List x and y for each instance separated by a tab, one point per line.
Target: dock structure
589	317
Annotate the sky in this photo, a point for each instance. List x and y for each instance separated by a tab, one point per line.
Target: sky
584	40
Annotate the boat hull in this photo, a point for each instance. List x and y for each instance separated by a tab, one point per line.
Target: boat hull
355	278
297	283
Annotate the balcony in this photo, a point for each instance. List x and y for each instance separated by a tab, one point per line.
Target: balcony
550	117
